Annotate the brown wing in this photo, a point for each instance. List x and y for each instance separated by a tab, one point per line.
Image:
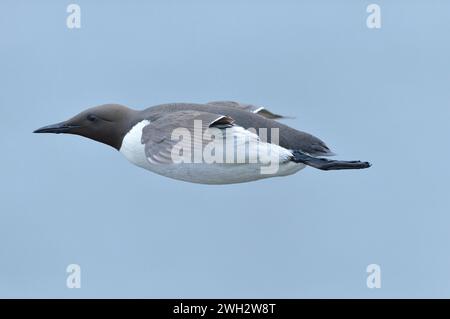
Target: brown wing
160	136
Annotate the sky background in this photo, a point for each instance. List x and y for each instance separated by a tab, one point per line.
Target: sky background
372	94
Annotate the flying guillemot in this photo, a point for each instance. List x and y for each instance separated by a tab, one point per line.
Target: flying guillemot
156	137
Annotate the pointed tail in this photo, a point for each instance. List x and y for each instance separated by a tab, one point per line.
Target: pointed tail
326	164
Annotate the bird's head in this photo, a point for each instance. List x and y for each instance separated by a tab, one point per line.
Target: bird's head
106	124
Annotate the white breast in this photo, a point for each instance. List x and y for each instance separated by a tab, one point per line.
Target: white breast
203	173
132	147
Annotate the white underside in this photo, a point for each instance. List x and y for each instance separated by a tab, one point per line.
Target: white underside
203	173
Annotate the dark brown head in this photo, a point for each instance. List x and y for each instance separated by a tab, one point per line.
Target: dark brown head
106	124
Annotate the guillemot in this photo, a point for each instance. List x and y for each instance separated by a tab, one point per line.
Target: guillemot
191	142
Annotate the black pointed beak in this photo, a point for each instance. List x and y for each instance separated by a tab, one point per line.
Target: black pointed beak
57	128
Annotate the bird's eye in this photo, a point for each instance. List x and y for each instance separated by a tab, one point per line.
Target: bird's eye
91	118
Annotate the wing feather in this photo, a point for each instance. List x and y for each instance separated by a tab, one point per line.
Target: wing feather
162	134
261	110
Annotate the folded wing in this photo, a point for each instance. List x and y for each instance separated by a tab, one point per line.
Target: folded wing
162	134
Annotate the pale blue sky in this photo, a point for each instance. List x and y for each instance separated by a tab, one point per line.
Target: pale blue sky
378	95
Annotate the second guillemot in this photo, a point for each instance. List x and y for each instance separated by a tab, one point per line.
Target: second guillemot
214	143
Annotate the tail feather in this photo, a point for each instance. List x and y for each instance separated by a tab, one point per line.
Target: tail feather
326	164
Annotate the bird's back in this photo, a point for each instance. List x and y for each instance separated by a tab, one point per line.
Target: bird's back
289	138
